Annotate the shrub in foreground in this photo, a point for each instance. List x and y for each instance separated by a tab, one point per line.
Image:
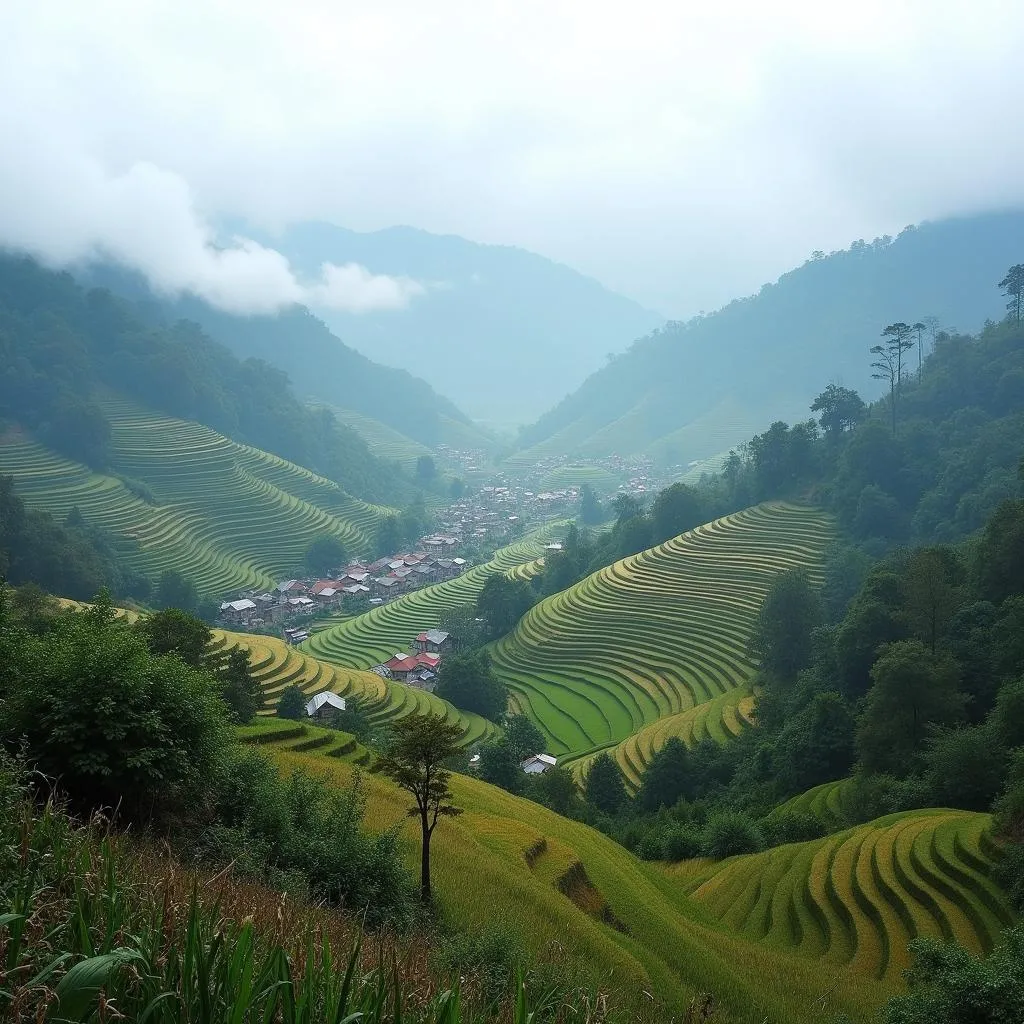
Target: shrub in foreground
728	833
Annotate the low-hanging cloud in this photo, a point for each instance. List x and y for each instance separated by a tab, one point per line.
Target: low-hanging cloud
65	208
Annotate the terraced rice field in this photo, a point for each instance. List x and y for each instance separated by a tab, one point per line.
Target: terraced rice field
857	898
525	571
829	803
385	441
374	637
720	719
278	665
226	515
630	651
303	738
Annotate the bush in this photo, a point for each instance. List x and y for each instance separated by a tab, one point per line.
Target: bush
113	724
949	986
791	827
681	842
651	845
1009	873
728	833
291	704
280	829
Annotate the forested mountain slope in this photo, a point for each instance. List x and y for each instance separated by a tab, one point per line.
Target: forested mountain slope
695	389
318	364
504	332
62	347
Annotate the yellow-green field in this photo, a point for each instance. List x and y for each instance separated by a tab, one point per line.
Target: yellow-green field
223	514
656	644
663	934
858	897
278	665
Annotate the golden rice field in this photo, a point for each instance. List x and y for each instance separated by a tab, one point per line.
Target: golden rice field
829	803
742	929
278	665
656	644
372	638
856	899
226	515
719	719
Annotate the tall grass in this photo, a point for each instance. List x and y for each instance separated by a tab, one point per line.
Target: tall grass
97	927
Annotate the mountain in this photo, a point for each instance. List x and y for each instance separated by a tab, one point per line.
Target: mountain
64	349
502	331
694	389
318	365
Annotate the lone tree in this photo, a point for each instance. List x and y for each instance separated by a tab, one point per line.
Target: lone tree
889	363
841	409
1013	289
415	760
604	788
324	554
919	328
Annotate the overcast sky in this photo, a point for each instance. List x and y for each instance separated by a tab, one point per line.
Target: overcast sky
681	152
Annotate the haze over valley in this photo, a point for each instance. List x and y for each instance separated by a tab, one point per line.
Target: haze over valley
510	513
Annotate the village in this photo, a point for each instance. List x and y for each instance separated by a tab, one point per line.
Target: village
359	585
467	532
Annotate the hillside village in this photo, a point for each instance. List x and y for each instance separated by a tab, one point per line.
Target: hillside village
467	530
360	584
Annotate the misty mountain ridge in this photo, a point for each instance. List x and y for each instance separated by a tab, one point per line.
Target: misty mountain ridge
692	390
318	364
503	332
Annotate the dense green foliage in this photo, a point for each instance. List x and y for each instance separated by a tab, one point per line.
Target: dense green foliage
69	558
469	682
603	787
61	346
113	723
939	478
949	986
135	718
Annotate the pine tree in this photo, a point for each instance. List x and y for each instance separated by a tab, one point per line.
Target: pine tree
604	788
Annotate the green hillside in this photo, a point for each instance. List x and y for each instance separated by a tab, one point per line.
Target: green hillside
374	637
224	514
694	389
800	933
859	897
656	635
384	441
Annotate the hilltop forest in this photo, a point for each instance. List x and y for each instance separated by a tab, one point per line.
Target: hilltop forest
61	346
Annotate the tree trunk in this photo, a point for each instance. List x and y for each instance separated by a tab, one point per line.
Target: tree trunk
425	894
892	402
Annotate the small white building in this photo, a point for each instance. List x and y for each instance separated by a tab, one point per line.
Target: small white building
324	705
238	611
537	764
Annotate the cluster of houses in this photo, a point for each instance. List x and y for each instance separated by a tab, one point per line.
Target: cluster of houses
418	668
376	582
